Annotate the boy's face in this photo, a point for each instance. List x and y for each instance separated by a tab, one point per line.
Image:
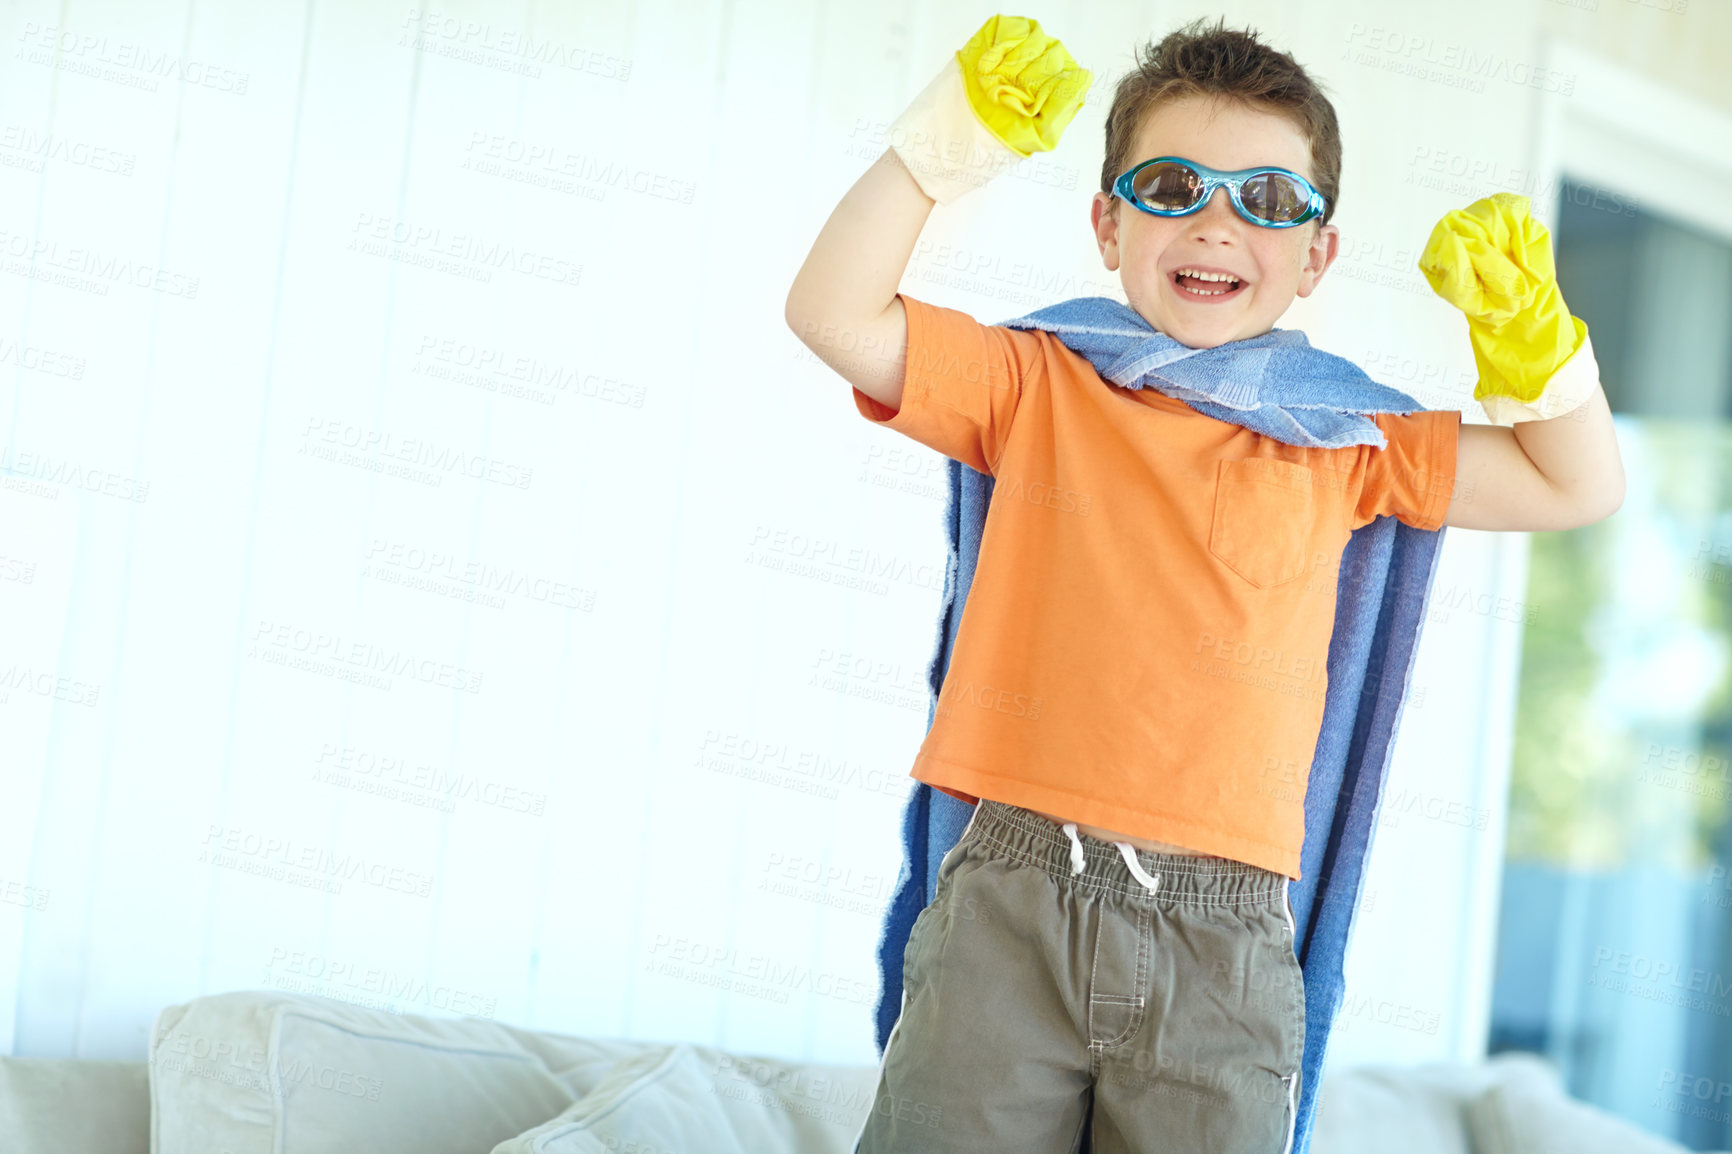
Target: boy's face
1273	264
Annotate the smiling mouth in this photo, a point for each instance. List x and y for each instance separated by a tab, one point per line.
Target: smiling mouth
1199	288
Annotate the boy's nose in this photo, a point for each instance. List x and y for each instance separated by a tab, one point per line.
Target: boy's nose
1218	211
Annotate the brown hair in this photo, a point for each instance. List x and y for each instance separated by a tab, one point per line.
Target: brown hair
1199	61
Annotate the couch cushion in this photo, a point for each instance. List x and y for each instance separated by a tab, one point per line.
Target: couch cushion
58	1105
275	1073
698	1098
1414	1109
1528	1111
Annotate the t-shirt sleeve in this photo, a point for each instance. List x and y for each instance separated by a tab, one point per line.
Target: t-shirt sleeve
961	384
1413	477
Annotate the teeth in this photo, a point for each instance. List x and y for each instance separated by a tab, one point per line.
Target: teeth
1227	280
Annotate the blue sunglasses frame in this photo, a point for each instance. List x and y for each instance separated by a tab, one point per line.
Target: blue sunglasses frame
1125	189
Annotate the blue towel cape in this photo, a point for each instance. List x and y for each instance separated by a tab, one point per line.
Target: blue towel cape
1276	384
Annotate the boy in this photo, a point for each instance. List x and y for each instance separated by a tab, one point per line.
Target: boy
1111	945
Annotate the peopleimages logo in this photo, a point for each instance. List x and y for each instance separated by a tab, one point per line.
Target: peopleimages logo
282	643
281	859
1657	971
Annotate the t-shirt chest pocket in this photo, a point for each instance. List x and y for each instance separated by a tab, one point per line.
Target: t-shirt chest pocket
1264	512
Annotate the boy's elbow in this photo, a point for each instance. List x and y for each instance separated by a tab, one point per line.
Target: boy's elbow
1602	504
1614	501
1612	496
797	313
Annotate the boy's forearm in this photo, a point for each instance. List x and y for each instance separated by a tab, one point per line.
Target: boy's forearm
1577	452
852	273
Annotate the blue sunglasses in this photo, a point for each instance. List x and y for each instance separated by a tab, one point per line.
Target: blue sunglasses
1267	196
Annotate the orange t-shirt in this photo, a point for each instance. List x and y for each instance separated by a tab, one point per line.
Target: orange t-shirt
1145	645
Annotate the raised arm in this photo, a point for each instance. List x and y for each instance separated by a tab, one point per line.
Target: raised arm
1559	473
970	124
1549	459
843	302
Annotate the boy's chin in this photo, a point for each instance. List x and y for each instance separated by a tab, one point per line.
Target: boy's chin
1208	332
1205	335
1204	332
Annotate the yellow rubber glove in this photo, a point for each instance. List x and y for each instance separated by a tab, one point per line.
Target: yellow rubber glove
1493	261
1022	83
1006	94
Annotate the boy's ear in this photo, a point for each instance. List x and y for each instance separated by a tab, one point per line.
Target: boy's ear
1319	255
1104	219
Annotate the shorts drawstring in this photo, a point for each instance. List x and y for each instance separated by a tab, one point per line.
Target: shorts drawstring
1077	860
1136	867
1076	852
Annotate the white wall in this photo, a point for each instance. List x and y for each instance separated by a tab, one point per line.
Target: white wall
610	556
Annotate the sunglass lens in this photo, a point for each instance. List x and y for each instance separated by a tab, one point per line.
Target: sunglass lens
1274	197
1168	187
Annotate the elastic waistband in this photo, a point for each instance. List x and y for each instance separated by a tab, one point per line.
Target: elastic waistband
1025	836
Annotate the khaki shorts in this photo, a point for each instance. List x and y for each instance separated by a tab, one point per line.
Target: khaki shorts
1051	1011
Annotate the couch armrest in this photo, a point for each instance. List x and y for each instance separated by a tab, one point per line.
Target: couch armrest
265	1072
55	1105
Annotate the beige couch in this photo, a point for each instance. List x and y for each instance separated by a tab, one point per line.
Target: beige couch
271	1073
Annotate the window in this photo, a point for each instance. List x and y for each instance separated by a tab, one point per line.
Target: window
1615	931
